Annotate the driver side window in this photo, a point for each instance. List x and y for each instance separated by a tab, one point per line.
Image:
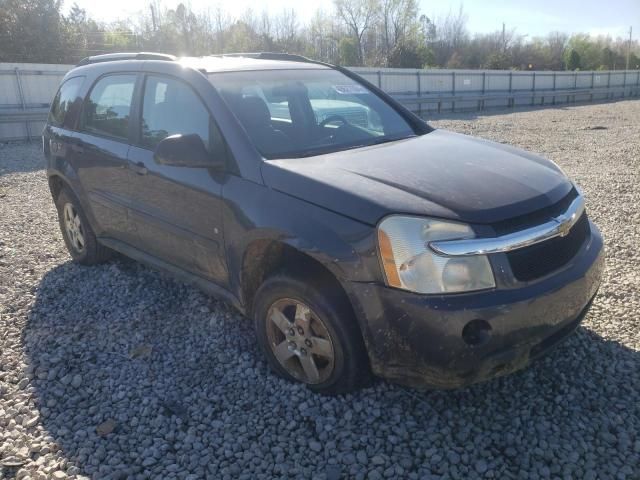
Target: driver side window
172	107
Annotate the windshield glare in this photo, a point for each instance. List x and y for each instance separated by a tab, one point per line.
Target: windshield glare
298	113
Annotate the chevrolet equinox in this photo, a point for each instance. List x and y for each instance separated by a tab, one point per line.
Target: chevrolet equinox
359	239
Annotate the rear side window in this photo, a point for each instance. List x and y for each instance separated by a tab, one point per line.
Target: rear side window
67	93
171	107
108	107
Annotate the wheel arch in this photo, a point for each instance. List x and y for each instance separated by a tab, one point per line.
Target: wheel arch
267	256
56	184
58	181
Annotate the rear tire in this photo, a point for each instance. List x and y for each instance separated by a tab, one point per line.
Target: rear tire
81	241
310	335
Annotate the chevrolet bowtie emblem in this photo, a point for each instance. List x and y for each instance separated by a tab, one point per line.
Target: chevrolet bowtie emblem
564	224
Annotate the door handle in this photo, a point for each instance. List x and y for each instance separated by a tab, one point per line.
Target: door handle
138	167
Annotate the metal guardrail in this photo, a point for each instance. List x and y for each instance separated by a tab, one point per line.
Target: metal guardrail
511	97
21	116
425	88
25	112
557	87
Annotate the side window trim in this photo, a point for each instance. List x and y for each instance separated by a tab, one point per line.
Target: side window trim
135	116
80	121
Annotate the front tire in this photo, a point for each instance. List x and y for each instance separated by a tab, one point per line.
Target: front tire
81	241
309	335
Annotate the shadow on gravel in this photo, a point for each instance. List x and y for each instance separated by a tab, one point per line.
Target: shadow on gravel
137	375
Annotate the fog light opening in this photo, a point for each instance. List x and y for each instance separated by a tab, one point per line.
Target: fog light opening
476	332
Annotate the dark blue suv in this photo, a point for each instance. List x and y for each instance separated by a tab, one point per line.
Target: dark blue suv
359	239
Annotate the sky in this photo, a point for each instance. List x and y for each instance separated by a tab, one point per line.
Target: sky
527	17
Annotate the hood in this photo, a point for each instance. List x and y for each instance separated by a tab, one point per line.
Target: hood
440	174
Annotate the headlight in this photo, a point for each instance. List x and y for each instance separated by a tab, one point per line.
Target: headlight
409	263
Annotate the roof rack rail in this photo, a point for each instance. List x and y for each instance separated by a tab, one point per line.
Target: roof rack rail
268	56
112	57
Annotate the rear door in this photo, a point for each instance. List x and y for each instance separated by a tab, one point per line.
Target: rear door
57	137
101	146
177	210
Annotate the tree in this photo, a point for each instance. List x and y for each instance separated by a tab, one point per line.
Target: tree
221	23
82	35
357	15
452	37
498	61
555	46
409	55
590	50
31	31
573	60
354	32
455	61
322	38
428	29
349	55
241	37
287	31
399	24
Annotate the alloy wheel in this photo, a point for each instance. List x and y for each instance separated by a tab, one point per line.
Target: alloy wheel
300	341
73	227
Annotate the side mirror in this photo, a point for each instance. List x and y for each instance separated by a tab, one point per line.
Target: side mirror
185	151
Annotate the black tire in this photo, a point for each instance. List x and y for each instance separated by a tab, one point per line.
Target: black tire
92	252
350	370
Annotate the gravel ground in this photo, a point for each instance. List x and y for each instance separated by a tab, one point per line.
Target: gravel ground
117	371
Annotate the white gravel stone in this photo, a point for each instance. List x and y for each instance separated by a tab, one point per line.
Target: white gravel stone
198	400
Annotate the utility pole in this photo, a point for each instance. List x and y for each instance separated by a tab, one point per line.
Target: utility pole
153	17
629	47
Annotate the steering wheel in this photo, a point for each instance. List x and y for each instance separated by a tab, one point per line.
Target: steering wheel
334	118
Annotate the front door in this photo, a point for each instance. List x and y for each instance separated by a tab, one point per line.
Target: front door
177	210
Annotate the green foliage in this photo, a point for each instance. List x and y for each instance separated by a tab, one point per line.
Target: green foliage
573	60
409	55
498	61
242	38
357	32
31	31
348	51
597	52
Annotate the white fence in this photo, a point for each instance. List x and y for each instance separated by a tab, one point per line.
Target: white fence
27	89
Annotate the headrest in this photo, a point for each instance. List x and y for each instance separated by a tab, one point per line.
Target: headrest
253	112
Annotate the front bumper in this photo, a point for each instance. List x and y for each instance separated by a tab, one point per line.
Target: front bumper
417	339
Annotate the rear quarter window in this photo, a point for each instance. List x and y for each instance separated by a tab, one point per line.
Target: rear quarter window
67	94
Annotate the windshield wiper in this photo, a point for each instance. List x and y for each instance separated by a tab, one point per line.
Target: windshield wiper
380	140
340	148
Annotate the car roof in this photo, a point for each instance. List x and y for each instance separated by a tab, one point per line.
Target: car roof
211	64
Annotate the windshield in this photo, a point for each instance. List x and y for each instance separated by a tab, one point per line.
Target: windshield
300	113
